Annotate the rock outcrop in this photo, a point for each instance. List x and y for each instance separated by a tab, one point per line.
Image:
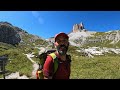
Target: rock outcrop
78	27
8	34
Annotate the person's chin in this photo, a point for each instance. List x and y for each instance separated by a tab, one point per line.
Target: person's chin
62	52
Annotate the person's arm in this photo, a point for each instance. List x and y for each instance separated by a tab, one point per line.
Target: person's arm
48	68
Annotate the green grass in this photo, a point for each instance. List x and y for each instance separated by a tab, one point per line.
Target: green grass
18	62
105	43
101	67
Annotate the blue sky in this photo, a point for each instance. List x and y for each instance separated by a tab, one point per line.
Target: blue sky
48	23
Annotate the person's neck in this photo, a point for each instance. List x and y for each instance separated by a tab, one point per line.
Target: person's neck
62	57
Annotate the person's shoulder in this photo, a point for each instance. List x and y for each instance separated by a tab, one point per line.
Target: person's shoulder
49	58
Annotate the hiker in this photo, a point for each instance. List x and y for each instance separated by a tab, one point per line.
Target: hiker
63	71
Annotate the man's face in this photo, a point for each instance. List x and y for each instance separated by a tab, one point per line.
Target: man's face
62	45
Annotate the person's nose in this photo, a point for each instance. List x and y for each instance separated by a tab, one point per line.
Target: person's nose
62	42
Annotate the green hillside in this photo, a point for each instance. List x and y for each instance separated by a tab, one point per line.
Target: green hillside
18	62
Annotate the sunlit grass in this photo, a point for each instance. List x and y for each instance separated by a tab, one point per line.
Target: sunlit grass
103	67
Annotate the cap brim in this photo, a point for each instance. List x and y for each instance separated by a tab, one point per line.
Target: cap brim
61	34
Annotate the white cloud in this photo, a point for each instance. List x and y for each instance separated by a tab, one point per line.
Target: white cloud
41	21
36	15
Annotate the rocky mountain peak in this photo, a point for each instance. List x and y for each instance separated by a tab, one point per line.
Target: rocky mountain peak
78	27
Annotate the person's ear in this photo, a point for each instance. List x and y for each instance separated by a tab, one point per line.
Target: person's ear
55	44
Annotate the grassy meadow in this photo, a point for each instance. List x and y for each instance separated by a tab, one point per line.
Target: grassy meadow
99	67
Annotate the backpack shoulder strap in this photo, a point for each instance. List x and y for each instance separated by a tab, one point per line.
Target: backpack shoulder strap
53	55
69	58
55	61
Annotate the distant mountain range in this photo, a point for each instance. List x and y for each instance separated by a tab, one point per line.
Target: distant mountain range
79	36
